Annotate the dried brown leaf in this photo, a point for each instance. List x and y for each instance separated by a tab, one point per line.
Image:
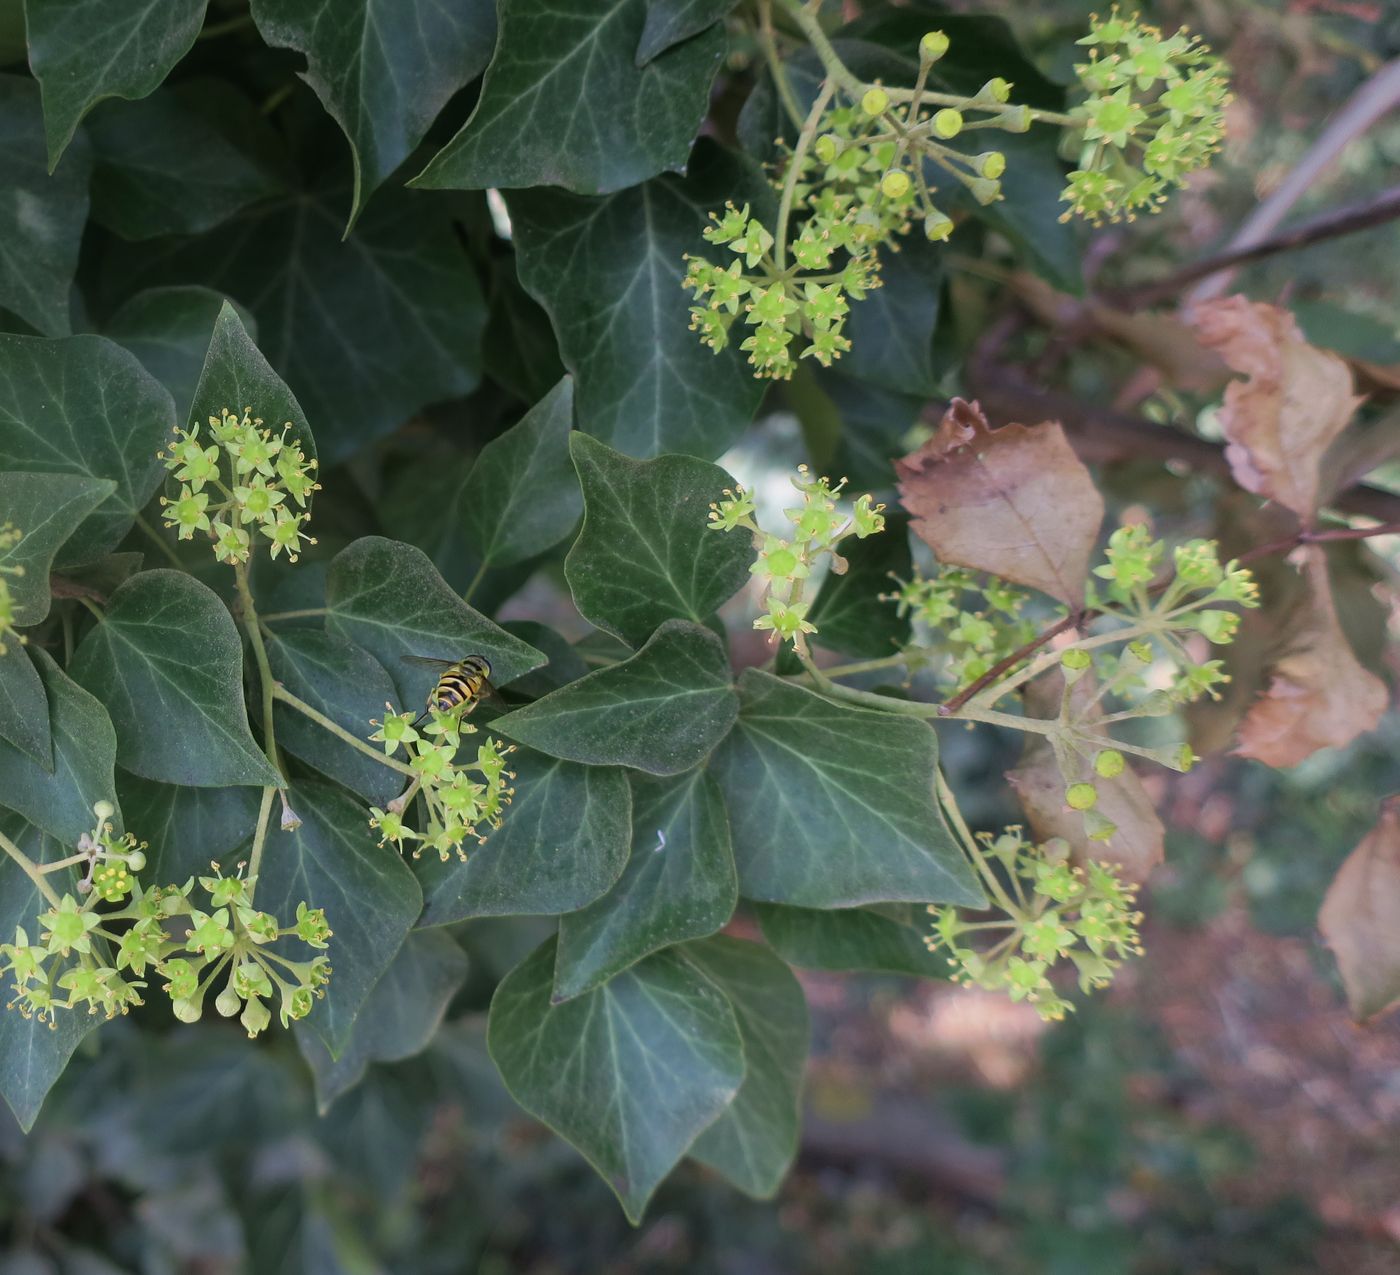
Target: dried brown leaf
1360	917
1015	501
1319	695
1296	400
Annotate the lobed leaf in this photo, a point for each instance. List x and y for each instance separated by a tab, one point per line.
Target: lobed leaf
46	509
187	829
886	938
24	710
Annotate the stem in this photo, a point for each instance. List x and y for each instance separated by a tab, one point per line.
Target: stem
249	615
92	606
949	802
304	614
71	861
301	706
160	541
768	43
259	839
30	869
811	28
476	580
799	153
216	29
864	666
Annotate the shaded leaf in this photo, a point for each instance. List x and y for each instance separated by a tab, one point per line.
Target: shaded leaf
85	406
671	21
24	709
646	551
41	216
608	272
187	829
1319	695
168	664
1295	401
887	938
1360	917
59	799
891	330
401	1016
831	806
45	509
753	1143
382	69
565	663
630	1073
679	884
84	50
848	612
562	843
626	122
1015	501
518	347
370	897
661	711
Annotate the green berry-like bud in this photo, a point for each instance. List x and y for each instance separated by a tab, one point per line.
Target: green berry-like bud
894	184
875	102
1109	764
1076	659
998	89
948	122
1081	796
937	227
933	46
227	1002
827	147
136	860
991	164
104	809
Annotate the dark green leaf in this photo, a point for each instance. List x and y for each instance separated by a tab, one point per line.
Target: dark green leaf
885	938
32	1055
169	330
754	1141
671	21
831	806
518	349
400	1017
383	71
646	552
84	50
564	102
186	829
83	405
24	709
679	884
848	612
370	897
161	169
874	426
387	597
892	330
46	509
60	800
565	663
630	1074
608	272
522	496
350	687
41	217
662	711
167	662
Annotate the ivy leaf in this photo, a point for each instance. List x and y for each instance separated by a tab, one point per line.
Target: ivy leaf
608	272
167	662
84	50
350	687
388	597
646	552
885	938
632	121
519	350
382	71
565	663
679	884
169	330
59	798
753	1143
562	843
45	508
661	711
186	829
400	1018
41	216
892	329
24	711
370	897
669	22
848	612
83	405
630	1073
522	496
831	806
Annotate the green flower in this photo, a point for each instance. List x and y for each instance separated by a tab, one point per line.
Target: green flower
311	926
286	534
779	561
66	928
787	620
396	729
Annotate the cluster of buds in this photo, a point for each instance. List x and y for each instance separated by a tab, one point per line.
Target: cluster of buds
785	564
463	800
1054	912
94	951
9	538
1155	112
243	479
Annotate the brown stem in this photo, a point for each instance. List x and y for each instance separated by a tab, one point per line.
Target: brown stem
1319	537
63	587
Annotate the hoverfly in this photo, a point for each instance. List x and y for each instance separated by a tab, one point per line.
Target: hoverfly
460	686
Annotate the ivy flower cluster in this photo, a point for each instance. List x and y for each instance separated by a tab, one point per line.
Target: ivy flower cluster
785	564
95	950
1055	914
1155	112
9	538
460	799
242	479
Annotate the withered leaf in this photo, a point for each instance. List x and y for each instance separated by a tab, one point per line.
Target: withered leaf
1015	501
1360	917
1319	695
1296	400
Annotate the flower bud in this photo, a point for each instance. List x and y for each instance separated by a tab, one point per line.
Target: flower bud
937	226
227	1002
894	184
998	89
187	1011
948	122
875	102
104	809
136	860
1109	764
983	191
255	1017
991	164
827	147
1081	796
933	46
1076	659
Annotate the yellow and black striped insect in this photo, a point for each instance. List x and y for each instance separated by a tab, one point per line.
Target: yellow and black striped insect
460	686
